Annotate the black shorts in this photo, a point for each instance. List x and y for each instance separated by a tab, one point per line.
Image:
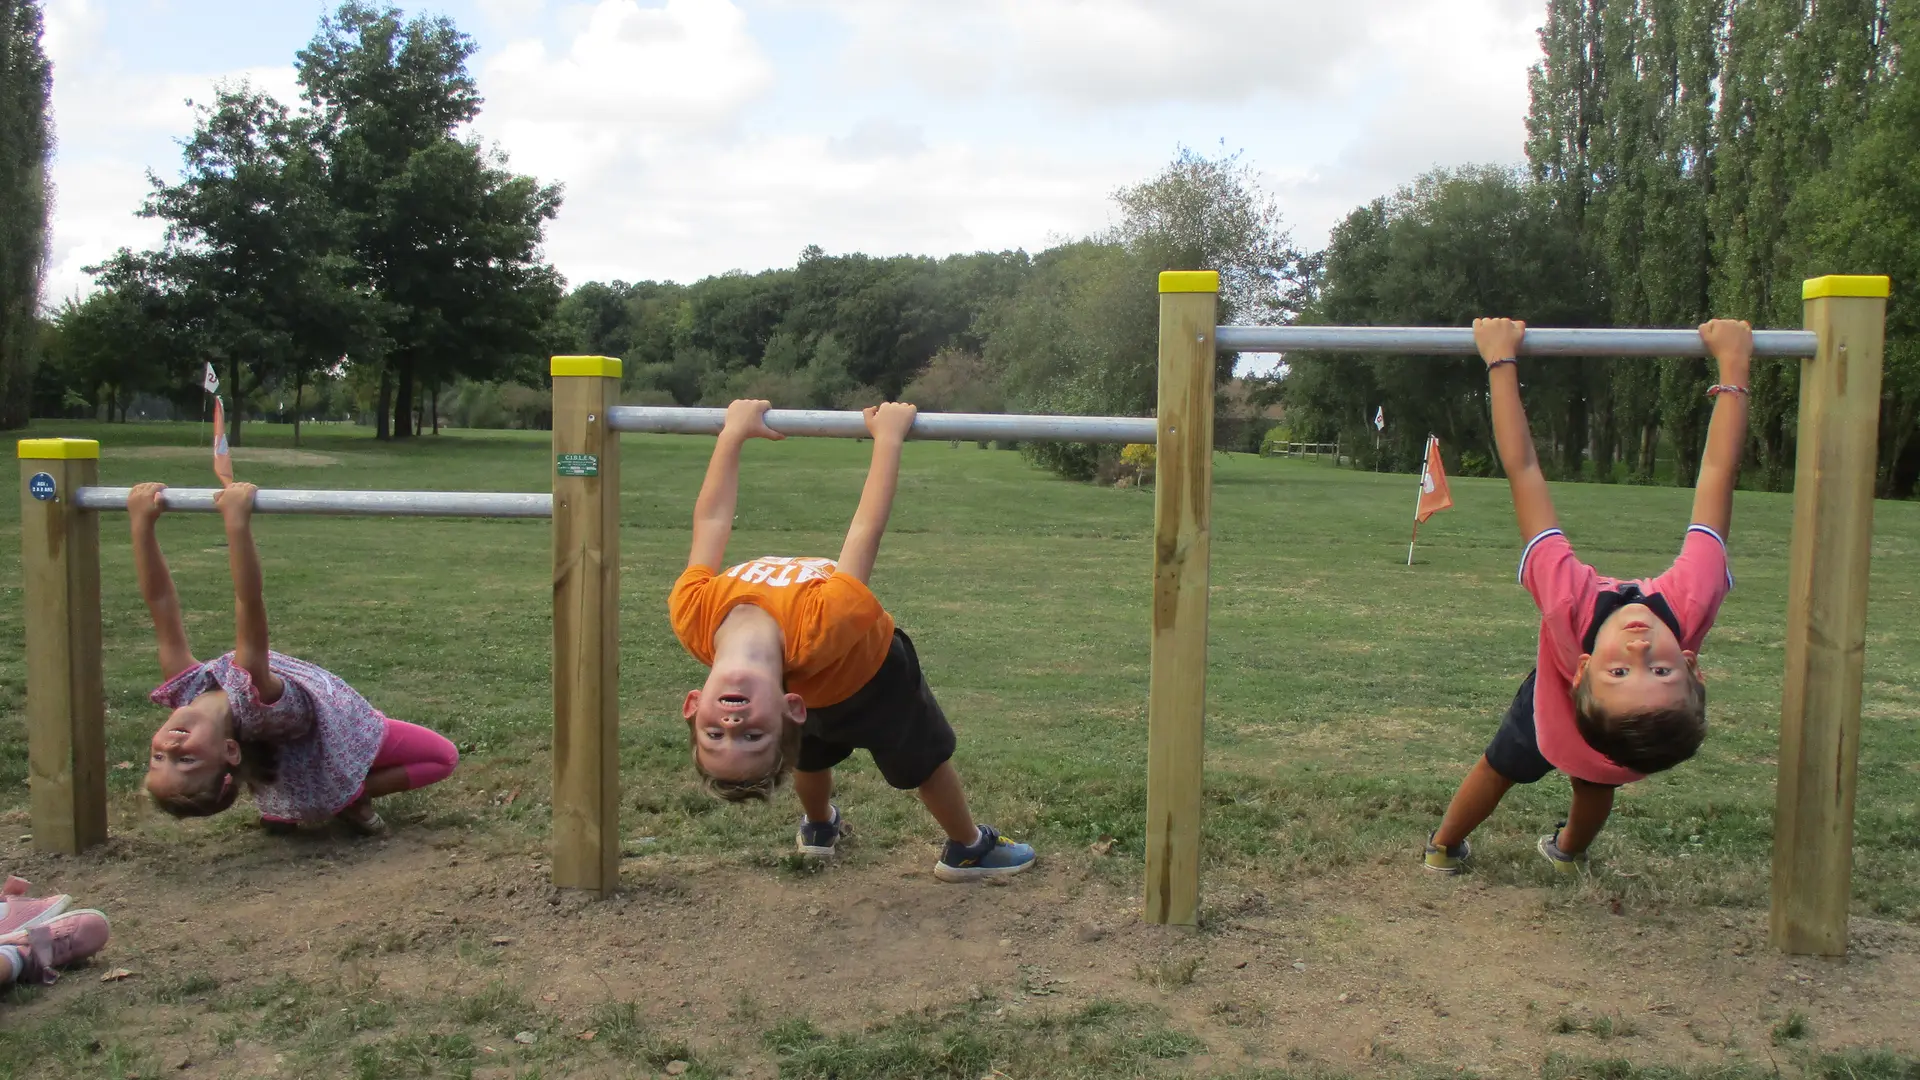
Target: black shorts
1515	751
893	717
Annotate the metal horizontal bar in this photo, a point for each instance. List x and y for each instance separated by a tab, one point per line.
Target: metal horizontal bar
489	504
965	427
1457	340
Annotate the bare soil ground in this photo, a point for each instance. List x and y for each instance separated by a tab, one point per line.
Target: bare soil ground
1371	970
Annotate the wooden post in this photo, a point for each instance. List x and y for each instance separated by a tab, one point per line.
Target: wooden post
1827	615
586	625
1182	511
66	698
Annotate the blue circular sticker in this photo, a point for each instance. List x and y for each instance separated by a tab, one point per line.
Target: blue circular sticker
42	486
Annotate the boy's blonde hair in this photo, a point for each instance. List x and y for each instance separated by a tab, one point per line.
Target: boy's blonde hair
1650	740
760	788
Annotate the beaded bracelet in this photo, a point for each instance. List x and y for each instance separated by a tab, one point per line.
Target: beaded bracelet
1497	363
1716	391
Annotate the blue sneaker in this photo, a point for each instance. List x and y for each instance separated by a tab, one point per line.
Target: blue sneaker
992	855
818	838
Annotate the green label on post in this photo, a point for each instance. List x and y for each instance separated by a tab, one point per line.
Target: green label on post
578	465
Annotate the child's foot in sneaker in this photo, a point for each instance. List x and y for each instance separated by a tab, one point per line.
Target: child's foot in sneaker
362	818
1562	862
817	838
992	855
1448	860
19	911
31	955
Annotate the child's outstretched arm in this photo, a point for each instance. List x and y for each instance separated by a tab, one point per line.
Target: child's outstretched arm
720	491
249	593
156	580
1499	343
889	425
1731	343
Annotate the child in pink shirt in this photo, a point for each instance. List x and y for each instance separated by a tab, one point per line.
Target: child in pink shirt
1615	692
298	736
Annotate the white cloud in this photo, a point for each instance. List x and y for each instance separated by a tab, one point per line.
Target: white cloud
687	64
698	208
1451	89
689	146
1103	54
878	137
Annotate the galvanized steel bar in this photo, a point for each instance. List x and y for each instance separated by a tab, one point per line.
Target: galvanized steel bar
1455	340
963	427
487	504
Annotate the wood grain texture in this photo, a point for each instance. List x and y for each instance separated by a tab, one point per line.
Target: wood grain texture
1182	514
1826	626
586	639
66	698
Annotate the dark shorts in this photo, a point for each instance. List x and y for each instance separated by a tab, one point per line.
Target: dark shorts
894	718
1515	751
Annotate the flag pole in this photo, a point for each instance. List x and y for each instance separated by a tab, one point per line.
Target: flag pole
1419	488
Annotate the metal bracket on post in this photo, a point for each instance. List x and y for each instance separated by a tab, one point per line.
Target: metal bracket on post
586	624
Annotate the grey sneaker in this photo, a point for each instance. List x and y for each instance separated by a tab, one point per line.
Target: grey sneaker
1563	863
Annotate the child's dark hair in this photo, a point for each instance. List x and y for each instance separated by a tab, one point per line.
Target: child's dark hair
759	788
259	764
1650	740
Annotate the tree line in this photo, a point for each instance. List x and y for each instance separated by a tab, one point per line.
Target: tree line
26	139
356	232
1686	159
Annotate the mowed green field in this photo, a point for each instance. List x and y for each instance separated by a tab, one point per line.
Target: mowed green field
1347	692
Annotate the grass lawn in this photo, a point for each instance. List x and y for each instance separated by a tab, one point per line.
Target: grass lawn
1347	692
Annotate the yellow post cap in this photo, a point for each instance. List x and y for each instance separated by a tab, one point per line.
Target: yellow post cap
1190	281
1846	285
59	449
607	366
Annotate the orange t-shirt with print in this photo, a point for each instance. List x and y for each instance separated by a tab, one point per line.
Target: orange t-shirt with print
836	633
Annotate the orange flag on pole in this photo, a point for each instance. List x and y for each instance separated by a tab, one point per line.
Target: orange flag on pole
222	460
1434	496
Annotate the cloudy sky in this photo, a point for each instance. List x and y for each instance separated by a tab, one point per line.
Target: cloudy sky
699	136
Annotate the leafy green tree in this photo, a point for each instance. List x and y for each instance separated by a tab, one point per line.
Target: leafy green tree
1452	246
441	234
26	140
1080	335
253	272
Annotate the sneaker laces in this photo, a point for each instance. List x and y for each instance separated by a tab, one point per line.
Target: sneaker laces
37	950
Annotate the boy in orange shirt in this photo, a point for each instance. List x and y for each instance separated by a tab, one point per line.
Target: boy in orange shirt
807	667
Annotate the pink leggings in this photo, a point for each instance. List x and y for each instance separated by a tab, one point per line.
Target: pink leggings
426	755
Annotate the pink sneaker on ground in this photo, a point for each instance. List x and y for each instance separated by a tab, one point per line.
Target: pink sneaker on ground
65	940
19	911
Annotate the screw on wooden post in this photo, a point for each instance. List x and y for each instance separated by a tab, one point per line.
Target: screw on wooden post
1827	615
66	698
1182	511
586	624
